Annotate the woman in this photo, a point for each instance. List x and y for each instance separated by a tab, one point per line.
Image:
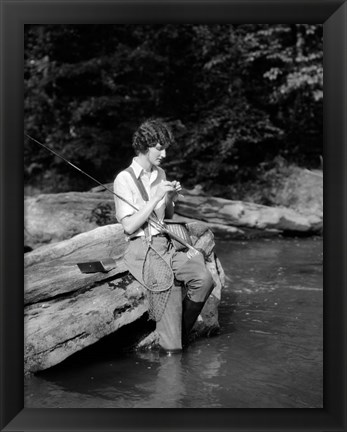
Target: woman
150	143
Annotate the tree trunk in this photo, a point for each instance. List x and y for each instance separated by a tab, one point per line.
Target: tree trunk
66	310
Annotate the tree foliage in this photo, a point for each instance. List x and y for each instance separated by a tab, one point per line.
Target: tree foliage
236	96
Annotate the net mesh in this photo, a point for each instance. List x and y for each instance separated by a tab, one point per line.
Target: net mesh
158	278
157	302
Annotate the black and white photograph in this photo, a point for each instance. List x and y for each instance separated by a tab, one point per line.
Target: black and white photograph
173	215
171	209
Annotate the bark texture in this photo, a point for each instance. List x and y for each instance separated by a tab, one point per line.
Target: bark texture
66	310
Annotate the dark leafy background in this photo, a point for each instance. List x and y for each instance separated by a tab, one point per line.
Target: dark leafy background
243	101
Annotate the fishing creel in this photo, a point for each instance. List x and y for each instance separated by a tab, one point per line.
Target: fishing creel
180	229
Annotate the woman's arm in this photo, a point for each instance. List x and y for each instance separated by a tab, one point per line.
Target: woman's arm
171	198
169	208
135	221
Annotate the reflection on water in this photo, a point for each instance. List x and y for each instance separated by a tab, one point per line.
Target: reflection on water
268	354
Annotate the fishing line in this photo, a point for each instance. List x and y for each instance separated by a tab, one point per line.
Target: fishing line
157	223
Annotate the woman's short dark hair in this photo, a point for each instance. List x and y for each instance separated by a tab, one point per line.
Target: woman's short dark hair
150	133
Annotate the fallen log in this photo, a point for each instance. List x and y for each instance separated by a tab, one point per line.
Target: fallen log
248	215
78	212
66	310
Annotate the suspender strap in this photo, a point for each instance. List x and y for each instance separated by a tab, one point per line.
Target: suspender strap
144	196
138	183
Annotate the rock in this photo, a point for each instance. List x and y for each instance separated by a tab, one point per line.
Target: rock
66	311
51	218
302	191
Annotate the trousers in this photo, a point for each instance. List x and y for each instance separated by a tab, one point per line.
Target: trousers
191	274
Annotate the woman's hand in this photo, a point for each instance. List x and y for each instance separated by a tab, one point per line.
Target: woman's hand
164	188
173	195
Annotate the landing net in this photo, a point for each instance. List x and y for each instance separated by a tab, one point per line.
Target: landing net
158	278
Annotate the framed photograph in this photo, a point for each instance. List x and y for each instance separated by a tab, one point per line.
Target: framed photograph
328	415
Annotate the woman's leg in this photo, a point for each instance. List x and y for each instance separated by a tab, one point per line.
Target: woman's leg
169	327
199	282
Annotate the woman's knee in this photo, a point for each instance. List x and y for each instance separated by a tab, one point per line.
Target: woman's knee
207	282
201	286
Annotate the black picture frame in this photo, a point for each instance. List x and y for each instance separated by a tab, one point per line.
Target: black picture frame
14	15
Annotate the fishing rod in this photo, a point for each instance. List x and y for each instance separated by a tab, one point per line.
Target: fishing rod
157	223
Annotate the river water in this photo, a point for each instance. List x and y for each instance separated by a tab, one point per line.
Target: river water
268	354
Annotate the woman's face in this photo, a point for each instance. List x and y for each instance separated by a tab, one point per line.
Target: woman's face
156	154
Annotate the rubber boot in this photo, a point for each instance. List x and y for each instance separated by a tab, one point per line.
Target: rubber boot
190	312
